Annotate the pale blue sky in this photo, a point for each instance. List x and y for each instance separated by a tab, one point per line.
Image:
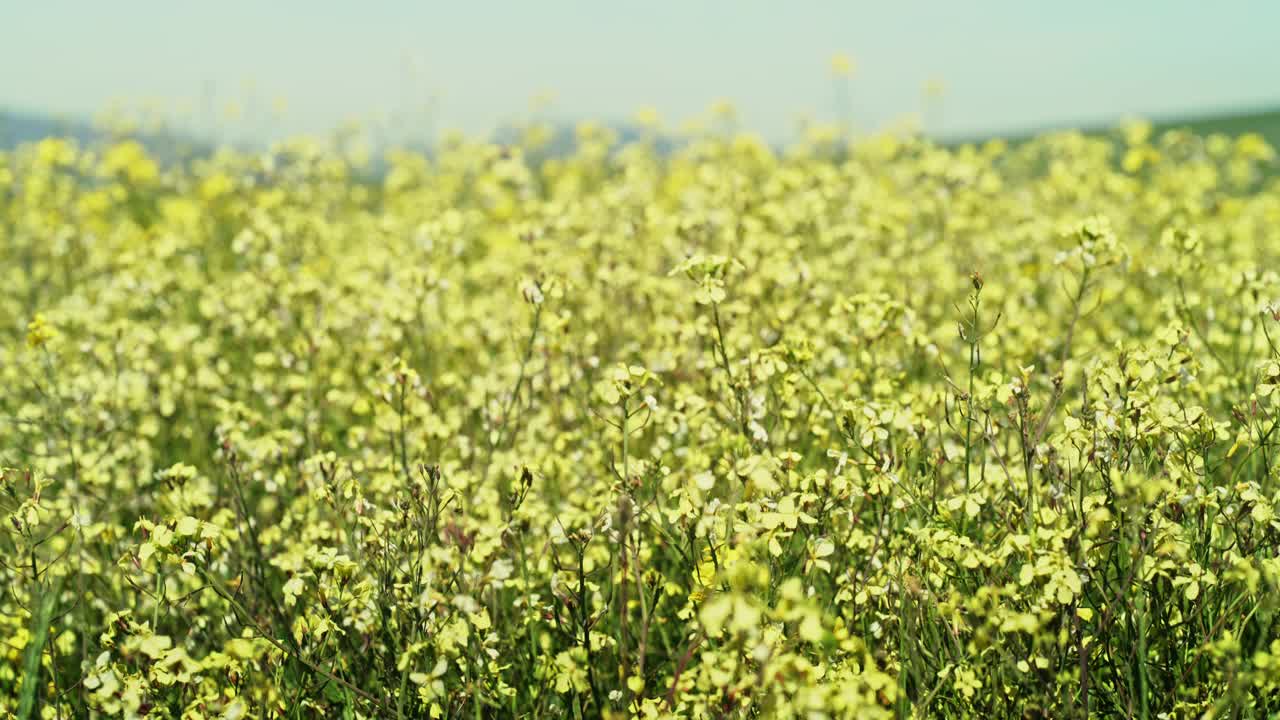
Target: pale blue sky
1005	65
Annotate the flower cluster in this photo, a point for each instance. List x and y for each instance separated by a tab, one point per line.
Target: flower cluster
869	429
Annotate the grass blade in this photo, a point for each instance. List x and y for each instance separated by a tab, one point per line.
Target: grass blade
31	658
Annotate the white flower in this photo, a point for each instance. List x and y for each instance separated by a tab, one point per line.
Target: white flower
532	293
501	569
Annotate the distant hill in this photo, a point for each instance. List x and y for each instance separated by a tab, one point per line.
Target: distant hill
563	138
18	127
1263	122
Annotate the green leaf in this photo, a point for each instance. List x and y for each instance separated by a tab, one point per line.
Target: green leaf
31	658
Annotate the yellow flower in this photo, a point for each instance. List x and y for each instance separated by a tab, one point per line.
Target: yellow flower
842	65
39	332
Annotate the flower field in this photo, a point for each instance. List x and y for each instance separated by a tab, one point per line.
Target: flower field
880	430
